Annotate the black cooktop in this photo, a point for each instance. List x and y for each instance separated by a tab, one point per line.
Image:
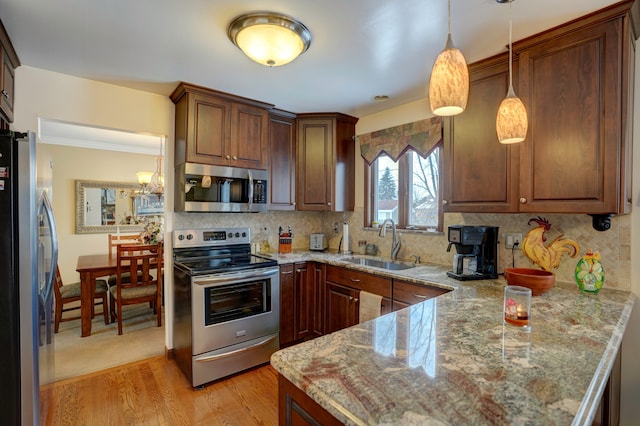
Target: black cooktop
216	260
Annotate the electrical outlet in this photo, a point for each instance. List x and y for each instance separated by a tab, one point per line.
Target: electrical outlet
511	238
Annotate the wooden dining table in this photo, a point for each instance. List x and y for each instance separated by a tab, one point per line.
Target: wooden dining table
92	267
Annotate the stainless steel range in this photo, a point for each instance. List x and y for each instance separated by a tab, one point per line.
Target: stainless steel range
227	304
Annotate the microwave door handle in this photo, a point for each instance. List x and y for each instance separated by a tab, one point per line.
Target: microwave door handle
250	190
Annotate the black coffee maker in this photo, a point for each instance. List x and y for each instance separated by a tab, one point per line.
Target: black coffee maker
476	255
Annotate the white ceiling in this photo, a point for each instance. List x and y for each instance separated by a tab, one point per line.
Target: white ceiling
360	48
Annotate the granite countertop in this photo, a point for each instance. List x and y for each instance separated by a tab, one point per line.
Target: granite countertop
450	360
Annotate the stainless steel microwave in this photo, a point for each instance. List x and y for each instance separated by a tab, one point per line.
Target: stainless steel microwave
206	188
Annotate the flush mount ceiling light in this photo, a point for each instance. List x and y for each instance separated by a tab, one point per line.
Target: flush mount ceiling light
269	38
449	83
511	121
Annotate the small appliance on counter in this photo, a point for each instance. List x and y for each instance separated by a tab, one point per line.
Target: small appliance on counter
318	242
476	255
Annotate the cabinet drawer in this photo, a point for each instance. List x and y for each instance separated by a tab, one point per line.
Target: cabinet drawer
360	280
407	292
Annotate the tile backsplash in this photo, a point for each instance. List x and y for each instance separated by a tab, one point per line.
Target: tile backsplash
614	245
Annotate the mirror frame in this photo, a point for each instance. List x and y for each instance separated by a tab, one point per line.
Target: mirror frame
80	202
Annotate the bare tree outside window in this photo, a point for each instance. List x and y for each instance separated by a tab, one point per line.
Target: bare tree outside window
407	191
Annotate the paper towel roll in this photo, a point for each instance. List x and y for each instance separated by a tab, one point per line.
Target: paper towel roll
345	238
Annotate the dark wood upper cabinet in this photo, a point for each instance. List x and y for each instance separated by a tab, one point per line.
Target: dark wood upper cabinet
481	174
282	160
325	162
219	129
576	81
572	160
9	62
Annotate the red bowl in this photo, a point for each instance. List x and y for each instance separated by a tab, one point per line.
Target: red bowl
537	280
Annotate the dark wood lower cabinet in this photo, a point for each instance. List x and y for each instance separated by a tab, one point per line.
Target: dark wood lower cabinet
286	304
318	270
406	293
341	307
297	408
301	302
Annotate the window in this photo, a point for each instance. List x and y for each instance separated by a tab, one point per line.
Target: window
415	207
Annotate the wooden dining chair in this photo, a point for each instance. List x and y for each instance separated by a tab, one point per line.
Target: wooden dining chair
67	293
137	262
116	240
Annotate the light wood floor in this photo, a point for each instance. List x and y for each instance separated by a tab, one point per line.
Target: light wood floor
155	392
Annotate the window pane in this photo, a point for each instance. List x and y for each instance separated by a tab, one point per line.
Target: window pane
423	194
386	199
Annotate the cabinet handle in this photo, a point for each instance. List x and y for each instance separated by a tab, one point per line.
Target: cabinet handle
354	280
235	158
228	157
286	272
5	94
355	300
420	296
329	203
444	202
523	200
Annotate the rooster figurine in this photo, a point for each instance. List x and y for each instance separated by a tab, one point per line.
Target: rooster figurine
547	257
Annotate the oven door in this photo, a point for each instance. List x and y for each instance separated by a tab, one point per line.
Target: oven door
231	308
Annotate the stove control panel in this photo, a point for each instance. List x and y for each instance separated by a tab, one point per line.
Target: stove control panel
211	237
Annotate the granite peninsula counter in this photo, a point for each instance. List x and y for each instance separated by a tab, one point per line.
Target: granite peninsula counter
450	360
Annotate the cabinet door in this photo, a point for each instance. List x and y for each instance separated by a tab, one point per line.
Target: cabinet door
286	304
341	307
249	135
209	135
319	277
571	86
8	87
302	304
480	173
315	164
282	163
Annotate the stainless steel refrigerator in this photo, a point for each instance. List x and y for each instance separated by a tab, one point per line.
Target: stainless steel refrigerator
28	258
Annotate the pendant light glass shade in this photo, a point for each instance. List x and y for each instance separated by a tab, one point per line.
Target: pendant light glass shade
268	38
449	82
511	122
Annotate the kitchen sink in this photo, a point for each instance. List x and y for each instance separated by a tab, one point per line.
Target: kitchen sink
384	264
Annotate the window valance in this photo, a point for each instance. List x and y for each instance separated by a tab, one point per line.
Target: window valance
421	136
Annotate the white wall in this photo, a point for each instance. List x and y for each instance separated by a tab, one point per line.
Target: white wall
45	94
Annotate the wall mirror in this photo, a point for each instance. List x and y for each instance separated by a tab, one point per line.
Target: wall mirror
103	207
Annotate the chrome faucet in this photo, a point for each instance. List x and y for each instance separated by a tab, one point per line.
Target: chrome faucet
395	241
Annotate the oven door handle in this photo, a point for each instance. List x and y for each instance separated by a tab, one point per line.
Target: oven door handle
237	351
234	276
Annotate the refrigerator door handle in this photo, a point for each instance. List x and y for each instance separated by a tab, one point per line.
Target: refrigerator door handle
45	207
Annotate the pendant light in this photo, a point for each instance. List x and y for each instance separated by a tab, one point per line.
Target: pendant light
511	121
449	82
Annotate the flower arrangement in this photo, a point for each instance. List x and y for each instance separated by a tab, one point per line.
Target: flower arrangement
153	231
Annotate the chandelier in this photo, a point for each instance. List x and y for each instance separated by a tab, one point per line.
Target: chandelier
152	182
